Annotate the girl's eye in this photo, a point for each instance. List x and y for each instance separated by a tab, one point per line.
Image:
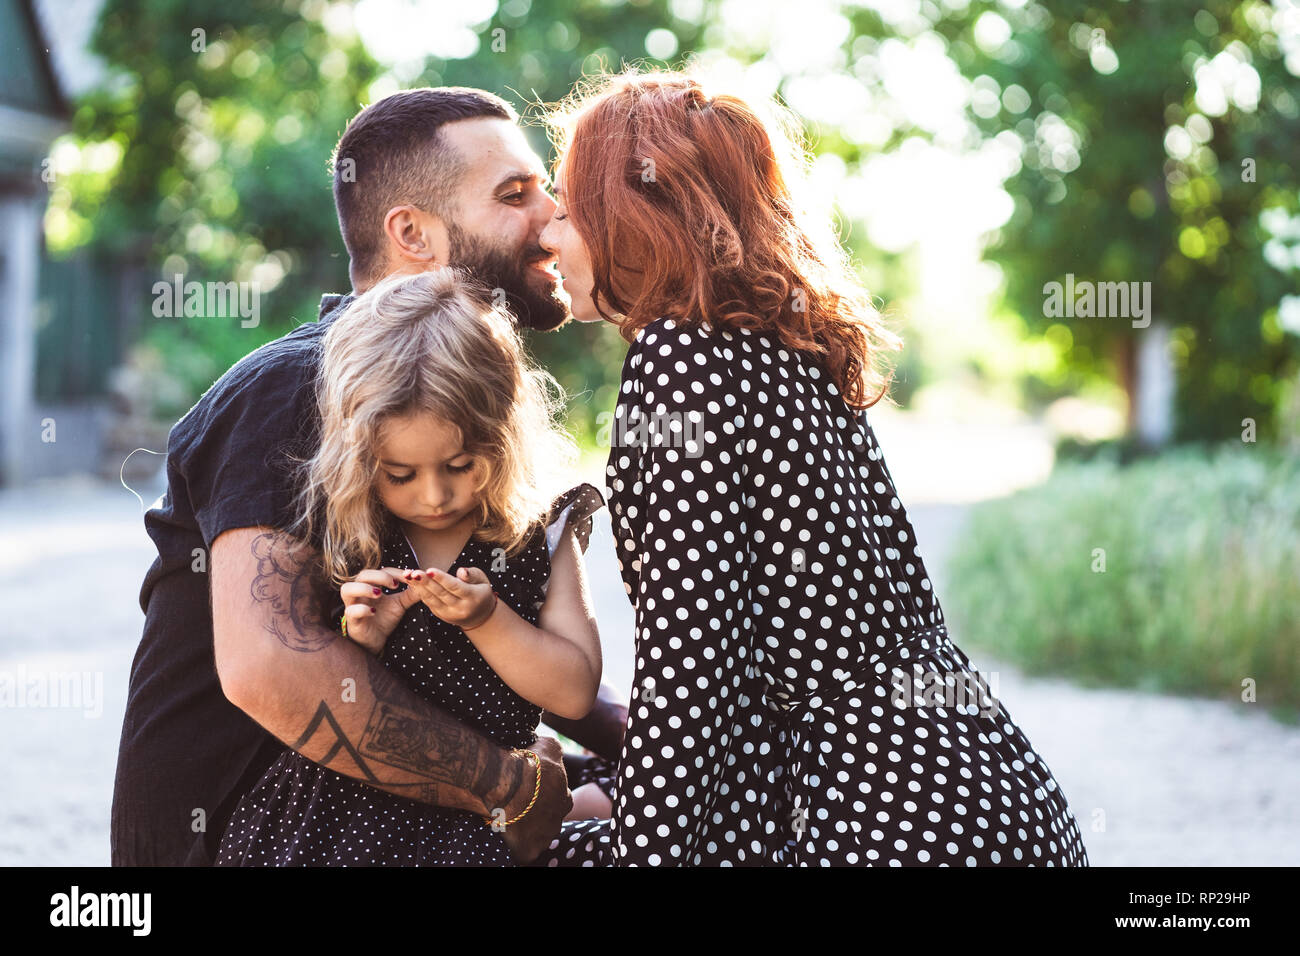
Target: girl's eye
461	469
559	218
399	481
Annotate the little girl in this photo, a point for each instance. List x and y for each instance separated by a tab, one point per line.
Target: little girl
455	566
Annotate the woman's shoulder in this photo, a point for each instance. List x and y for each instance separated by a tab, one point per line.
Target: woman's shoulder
684	331
675	347
665	336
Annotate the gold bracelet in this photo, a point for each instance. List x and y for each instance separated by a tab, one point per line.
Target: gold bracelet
537	788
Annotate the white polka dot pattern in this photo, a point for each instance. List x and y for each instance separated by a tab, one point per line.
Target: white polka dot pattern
780	603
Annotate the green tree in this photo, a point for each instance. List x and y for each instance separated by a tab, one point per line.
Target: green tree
1158	144
223	118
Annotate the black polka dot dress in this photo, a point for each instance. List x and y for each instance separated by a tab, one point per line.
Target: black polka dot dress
797	699
302	814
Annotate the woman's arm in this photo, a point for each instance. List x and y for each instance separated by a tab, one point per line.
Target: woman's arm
681	506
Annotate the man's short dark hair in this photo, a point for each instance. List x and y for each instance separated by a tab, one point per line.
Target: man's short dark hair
393	153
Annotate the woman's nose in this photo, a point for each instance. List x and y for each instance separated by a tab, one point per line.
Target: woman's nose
544	239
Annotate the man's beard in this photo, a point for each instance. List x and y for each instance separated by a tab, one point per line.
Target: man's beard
507	271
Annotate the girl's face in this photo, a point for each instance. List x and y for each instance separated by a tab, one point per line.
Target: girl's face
574	264
425	477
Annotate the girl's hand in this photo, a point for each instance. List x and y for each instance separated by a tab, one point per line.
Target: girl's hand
464	600
371	614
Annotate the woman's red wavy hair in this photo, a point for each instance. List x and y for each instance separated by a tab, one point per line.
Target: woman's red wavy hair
684	201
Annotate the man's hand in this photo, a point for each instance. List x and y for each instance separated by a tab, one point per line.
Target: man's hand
540	825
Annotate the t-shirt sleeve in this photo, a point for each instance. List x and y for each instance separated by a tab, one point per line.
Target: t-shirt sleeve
236	448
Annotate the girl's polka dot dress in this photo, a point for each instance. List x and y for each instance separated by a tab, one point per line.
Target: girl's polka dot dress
797	700
302	814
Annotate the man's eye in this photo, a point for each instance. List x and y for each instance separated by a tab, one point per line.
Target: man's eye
514	197
461	469
399	481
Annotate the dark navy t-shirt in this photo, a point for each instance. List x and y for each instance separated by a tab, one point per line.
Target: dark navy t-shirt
187	754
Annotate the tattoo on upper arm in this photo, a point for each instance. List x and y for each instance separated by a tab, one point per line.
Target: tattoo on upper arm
285	583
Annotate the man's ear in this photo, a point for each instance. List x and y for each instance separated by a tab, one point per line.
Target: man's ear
416	237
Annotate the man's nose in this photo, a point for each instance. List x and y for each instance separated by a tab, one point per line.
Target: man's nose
542	216
548	204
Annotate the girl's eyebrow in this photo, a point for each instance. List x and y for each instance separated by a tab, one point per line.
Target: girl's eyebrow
401	464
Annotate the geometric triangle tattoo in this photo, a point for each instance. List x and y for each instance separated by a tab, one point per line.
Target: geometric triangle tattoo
341	741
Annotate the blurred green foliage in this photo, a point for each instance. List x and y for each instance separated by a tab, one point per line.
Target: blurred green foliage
222	119
1158	144
1201	582
206	154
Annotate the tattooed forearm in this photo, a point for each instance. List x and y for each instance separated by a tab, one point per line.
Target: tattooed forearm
440	749
339	741
285	585
403	740
442	754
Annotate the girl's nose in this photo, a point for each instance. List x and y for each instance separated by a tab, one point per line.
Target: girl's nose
437	494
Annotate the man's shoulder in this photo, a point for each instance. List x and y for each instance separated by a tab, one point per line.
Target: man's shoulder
282	366
295	353
277	377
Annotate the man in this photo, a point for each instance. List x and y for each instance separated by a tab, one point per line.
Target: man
236	657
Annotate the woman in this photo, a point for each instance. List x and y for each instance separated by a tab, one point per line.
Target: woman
793	701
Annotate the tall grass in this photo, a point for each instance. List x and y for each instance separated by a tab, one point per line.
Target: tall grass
1201	587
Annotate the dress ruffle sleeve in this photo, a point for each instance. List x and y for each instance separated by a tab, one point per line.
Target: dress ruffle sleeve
571	511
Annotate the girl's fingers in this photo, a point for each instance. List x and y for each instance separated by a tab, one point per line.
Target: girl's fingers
356	593
384	577
419	588
445	581
417	581
474	576
356	613
436	579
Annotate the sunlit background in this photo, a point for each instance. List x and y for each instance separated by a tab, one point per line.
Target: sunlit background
1109	504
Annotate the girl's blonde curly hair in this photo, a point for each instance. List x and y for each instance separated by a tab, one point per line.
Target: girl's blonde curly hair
429	343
